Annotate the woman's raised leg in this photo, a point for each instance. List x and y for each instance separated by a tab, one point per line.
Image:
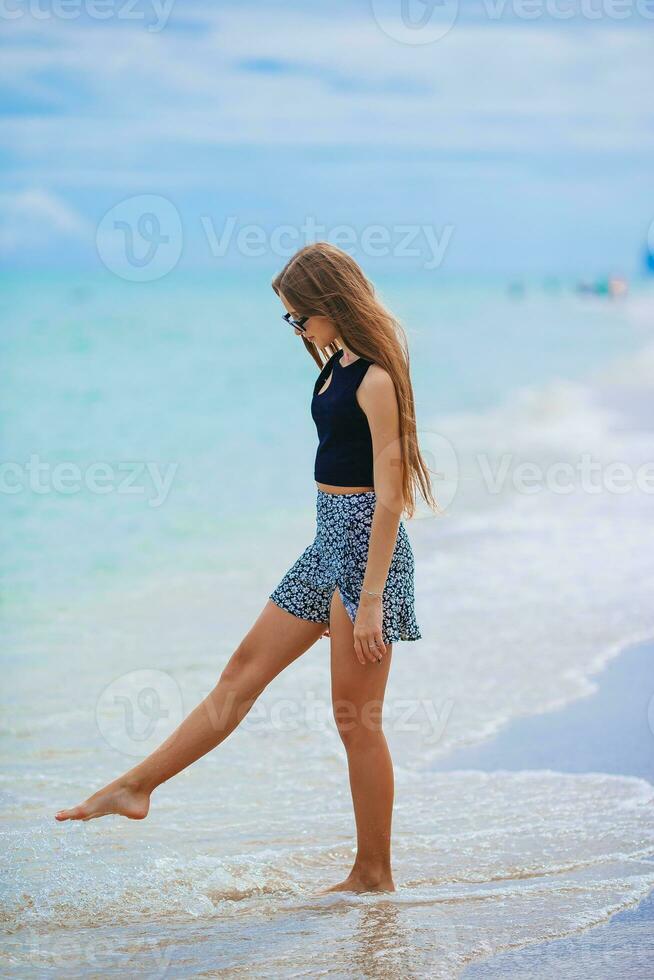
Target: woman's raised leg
358	698
276	639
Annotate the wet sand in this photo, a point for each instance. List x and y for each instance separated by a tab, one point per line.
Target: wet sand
610	731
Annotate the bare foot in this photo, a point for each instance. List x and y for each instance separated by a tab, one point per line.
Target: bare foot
357	881
118	797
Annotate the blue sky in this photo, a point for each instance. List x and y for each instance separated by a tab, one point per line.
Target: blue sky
531	140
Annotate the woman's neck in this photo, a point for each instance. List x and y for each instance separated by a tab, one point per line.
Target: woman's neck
348	356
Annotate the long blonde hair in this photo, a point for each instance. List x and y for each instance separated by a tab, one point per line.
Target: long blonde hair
322	280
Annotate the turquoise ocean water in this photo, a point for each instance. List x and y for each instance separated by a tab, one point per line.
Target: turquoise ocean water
158	455
202	380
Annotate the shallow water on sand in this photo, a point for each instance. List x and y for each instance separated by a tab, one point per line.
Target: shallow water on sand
121	616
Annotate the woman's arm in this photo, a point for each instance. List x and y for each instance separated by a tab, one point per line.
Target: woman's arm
376	395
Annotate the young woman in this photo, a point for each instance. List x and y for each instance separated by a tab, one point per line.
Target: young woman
353	583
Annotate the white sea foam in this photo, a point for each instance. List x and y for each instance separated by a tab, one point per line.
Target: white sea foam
484	861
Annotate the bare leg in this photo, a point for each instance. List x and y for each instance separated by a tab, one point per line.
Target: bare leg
358	695
275	640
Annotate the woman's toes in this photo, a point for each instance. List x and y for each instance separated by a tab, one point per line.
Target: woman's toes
69	814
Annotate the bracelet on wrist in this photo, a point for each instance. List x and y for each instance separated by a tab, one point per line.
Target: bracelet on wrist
378	595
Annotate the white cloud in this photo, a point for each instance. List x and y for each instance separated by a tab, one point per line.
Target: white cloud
483	87
34	217
539	122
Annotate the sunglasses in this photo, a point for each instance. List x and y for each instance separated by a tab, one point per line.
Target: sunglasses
298	324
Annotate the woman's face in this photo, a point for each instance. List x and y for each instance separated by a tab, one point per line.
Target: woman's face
320	330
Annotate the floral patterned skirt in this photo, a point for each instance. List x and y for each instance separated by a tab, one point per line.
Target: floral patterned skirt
337	558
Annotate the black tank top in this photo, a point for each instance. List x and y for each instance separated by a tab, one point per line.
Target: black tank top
344	456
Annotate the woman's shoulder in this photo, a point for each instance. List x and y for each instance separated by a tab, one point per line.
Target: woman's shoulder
378	376
377	383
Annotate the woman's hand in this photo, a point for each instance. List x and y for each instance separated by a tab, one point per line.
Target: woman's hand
369	645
